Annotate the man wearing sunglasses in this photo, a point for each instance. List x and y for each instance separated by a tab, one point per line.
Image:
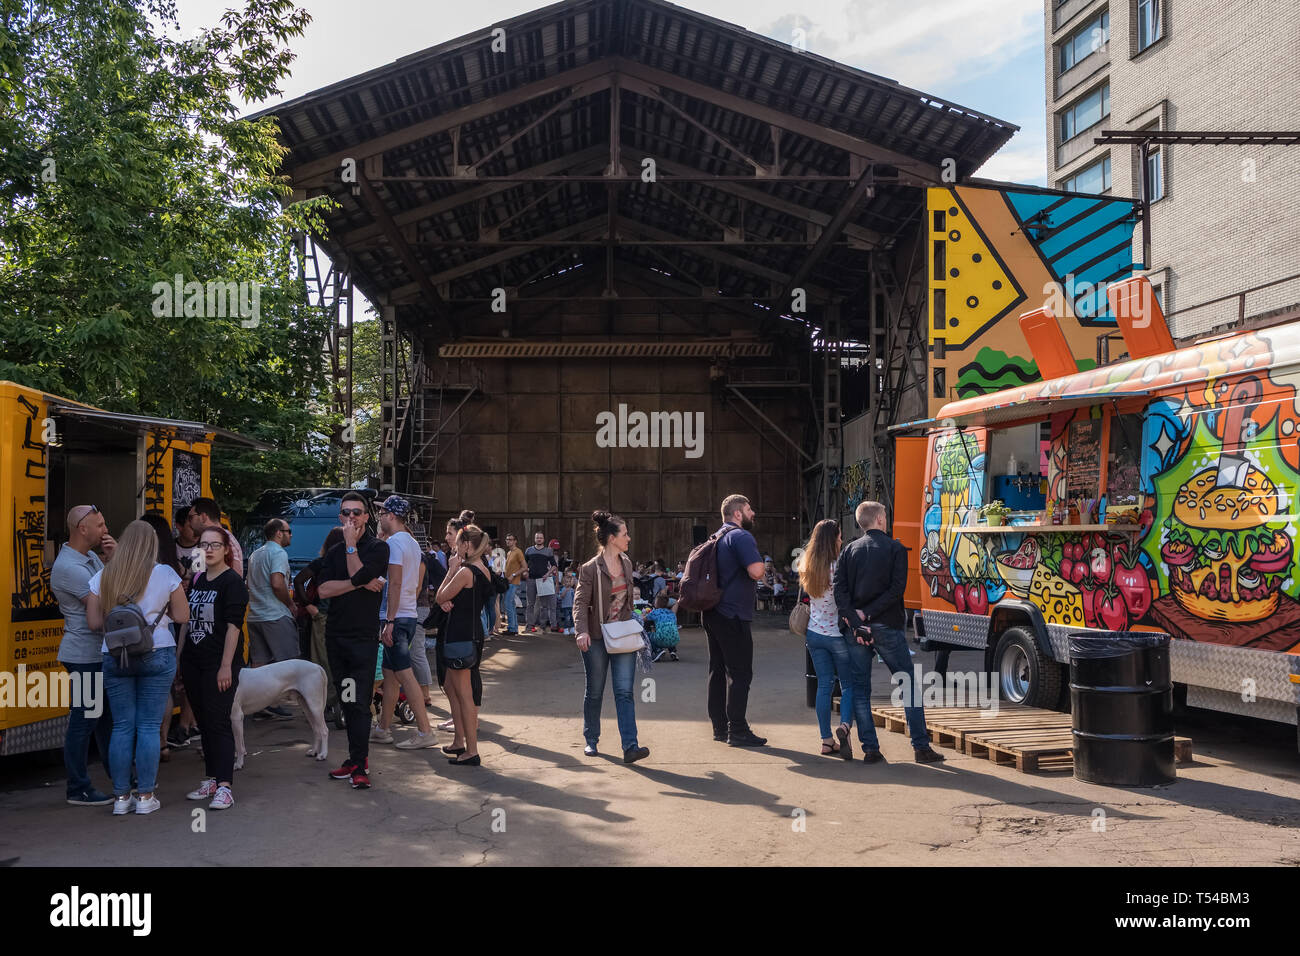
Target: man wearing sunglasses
79	651
352	578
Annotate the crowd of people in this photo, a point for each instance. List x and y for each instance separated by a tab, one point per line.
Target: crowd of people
385	618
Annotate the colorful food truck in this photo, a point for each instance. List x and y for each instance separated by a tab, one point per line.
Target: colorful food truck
1156	494
54	454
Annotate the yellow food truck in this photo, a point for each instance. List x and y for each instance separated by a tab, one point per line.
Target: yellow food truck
54	454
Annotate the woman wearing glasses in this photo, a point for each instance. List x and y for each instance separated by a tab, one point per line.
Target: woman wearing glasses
137	686
210	660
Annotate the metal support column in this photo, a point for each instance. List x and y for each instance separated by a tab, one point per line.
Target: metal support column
388	361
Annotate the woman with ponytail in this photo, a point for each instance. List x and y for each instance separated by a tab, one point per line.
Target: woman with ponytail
465	588
604	595
827	648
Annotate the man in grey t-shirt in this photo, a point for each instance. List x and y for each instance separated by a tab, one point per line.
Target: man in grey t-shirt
79	650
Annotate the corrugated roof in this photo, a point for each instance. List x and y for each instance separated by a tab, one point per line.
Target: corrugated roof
698	95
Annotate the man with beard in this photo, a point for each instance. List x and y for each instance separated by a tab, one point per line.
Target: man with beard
731	643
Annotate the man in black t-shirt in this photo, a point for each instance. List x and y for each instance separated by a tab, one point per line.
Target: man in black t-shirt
352	578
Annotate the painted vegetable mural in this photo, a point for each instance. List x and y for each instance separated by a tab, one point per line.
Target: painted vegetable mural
1213	558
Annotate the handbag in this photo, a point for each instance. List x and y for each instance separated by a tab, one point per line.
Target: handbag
621	637
800	616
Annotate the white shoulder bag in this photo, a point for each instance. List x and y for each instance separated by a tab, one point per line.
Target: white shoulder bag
621	637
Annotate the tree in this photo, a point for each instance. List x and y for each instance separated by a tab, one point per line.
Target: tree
123	166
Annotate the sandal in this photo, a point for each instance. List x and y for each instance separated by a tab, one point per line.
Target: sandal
830	750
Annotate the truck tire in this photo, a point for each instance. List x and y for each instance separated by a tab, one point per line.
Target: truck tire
1023	674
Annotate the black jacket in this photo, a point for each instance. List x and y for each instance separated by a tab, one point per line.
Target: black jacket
871	577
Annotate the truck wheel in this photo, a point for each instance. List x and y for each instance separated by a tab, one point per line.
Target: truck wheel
1024	675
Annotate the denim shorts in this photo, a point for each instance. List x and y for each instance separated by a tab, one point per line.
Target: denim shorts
398	657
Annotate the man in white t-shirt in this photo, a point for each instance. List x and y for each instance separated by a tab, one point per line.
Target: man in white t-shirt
400	625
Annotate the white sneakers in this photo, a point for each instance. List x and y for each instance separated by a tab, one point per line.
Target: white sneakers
205	791
419	741
380	736
131	803
222	798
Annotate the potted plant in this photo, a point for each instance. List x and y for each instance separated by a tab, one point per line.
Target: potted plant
995	512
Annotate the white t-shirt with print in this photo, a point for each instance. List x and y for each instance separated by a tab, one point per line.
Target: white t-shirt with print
162	582
822	617
403	550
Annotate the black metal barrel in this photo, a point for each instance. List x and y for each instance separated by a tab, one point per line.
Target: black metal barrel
1122	702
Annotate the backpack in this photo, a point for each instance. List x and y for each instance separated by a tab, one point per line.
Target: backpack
701	589
127	633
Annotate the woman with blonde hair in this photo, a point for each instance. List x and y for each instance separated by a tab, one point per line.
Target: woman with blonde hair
137	686
828	649
466	587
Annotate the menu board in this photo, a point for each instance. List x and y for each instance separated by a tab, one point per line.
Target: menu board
1083	464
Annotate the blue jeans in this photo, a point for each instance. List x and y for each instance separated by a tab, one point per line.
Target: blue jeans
830	657
512	612
598	663
490	614
76	743
891	645
138	696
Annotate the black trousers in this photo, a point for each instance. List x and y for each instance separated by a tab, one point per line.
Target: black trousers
212	708
731	670
352	665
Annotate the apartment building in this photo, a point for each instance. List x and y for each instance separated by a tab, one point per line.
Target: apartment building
1225	228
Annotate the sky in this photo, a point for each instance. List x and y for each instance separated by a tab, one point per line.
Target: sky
986	55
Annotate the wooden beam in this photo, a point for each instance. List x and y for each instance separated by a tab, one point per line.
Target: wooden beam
482	262
584	160
413	266
445	122
774	117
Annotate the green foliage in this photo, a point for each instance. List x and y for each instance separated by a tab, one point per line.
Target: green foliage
123	164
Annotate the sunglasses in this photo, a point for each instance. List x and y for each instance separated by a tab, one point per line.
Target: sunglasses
351	512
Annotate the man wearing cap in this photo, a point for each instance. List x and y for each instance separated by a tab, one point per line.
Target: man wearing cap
399	627
541	565
79	650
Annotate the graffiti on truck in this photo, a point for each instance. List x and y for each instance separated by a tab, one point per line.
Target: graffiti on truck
1213	556
32	598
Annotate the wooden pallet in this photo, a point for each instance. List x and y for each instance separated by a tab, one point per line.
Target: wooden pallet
1029	738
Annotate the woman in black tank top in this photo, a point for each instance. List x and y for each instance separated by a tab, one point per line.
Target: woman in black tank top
466	586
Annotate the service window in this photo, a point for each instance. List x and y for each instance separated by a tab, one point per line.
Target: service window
1123	460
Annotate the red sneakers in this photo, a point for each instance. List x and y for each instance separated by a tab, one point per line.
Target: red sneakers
360	781
348	769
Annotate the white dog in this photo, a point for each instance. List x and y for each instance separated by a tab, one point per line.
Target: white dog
262	687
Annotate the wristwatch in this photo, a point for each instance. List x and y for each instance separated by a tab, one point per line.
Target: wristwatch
390	622
352	550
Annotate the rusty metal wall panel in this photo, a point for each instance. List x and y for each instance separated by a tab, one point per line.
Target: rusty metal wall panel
736	451
535	494
585	493
580	411
578	376
479	492
491	418
680	377
687	493
638	376
532	452
534	377
634	460
531	413
579	452
480	452
634	493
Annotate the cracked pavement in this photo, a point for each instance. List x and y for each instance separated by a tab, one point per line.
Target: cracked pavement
538	801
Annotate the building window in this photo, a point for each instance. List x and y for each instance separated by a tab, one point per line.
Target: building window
1148	23
1087	112
1155	174
1090	38
1094	179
